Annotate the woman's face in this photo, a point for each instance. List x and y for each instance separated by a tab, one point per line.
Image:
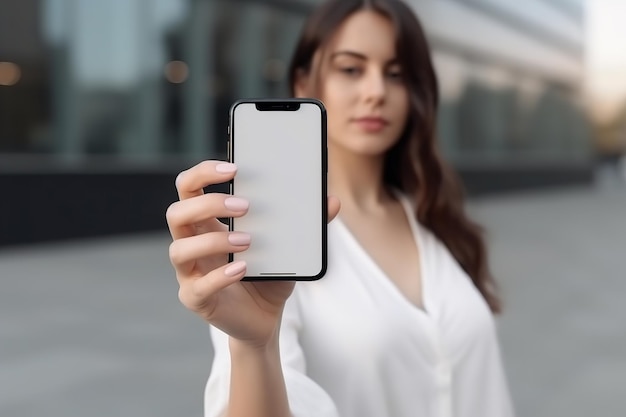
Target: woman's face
361	85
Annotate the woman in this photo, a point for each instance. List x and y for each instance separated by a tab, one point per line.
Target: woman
402	323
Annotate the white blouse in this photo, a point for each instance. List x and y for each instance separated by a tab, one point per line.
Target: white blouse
352	345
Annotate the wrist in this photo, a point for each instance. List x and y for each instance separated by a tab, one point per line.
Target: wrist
257	385
254	347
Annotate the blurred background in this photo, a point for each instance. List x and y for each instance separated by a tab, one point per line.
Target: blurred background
113	98
102	103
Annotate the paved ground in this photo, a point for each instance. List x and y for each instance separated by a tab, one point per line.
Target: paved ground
93	328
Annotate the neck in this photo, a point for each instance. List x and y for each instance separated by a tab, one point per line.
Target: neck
357	180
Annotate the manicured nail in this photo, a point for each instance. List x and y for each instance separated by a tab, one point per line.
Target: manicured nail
225	168
236	204
235	268
179	178
239	239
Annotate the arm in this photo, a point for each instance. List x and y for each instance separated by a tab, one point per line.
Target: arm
305	397
257	385
249	312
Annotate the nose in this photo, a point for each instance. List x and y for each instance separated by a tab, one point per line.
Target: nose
374	86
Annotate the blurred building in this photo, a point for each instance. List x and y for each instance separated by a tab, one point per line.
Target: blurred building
103	102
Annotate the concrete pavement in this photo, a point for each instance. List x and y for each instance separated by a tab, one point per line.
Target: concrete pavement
94	328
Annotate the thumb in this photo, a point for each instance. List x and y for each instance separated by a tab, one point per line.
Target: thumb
333	207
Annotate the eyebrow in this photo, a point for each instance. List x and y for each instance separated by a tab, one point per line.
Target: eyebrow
358	55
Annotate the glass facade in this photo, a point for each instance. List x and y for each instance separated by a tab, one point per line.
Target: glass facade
141	79
152	80
491	113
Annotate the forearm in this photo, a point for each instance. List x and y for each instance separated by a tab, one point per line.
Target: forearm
257	385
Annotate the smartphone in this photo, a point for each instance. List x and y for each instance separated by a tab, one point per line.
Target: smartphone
280	149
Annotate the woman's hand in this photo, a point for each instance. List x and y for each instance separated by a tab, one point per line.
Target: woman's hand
209	285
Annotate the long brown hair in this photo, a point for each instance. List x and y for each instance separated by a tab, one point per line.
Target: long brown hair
414	164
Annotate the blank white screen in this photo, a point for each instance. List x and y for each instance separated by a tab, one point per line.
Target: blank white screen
279	156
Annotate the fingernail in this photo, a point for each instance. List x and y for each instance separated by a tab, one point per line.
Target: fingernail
225	168
235	268
179	177
239	239
236	204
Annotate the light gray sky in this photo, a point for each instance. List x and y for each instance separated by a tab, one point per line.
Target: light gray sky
606	56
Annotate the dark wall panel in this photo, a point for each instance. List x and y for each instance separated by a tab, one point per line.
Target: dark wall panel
47	207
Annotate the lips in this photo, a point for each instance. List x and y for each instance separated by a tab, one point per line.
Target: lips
371	123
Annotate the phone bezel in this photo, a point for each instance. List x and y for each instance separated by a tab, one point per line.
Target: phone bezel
290	104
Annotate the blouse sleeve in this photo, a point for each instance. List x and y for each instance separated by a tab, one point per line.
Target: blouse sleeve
306	397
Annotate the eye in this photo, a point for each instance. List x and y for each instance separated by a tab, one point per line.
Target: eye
351	71
394	73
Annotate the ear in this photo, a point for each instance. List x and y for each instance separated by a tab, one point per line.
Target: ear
301	87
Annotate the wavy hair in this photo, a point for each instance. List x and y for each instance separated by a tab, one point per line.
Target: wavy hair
414	164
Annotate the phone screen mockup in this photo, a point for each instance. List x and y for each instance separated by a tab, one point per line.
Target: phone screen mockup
279	147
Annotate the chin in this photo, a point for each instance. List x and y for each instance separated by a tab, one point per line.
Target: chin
366	151
370	145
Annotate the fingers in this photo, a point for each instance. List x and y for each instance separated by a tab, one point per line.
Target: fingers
333	207
203	210
219	279
190	183
197	293
185	252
